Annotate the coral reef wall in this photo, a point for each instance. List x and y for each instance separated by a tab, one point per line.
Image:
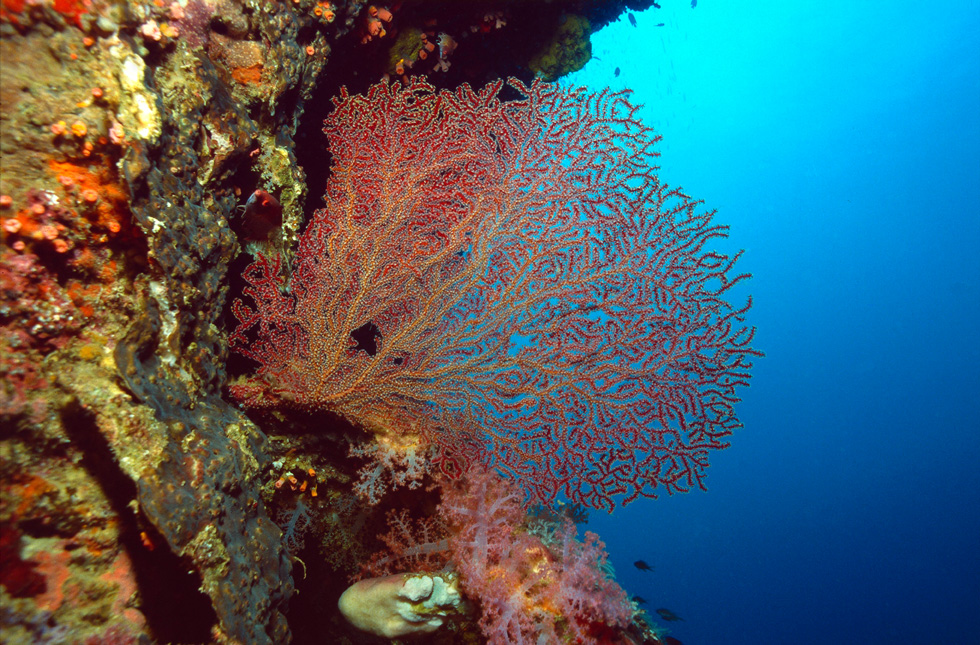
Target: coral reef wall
134	492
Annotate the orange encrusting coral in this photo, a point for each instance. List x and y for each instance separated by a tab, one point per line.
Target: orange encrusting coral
248	75
82	295
105	202
9	10
27	489
73	10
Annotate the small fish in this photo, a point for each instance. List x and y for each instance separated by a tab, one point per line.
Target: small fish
670	640
694	3
642	566
632	19
668	615
661	24
616	73
263	214
639	600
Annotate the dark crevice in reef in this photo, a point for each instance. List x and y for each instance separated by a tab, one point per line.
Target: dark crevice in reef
169	591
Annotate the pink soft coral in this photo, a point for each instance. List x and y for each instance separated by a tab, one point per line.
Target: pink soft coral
529	589
585	593
533	583
413	545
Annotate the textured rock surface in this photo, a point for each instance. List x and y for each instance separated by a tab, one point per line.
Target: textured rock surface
133	491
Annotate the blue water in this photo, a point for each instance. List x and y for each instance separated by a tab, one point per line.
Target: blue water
841	140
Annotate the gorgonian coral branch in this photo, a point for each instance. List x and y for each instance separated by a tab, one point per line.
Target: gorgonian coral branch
544	303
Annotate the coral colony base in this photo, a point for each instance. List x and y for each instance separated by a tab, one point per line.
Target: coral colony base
496	319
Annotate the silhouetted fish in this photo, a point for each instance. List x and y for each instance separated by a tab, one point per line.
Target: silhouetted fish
694	3
642	566
632	19
667	614
263	213
661	24
616	73
639	600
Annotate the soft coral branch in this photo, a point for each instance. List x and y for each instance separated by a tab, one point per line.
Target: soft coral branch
528	588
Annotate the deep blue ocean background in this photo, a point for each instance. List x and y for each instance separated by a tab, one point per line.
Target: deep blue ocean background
841	141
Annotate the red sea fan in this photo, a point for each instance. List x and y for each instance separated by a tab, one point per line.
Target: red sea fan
545	305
